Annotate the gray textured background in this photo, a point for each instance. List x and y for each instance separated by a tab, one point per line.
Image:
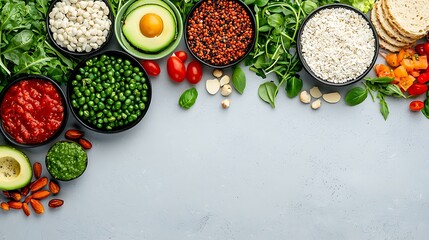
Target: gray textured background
249	172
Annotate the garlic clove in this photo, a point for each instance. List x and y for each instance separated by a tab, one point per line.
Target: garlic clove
333	97
305	97
315	92
212	86
226	90
224	80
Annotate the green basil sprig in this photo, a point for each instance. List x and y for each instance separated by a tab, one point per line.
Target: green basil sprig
188	98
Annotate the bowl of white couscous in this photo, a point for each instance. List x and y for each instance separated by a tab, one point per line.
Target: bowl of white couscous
337	45
79	28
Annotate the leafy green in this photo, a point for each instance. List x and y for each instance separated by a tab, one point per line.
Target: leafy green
362	5
184	6
267	92
23	44
293	86
425	109
238	79
356	96
188	98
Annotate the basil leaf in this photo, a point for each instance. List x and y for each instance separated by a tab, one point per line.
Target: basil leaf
261	3
238	79
380	80
293	87
425	109
384	109
267	92
188	98
264	28
248	2
275	20
308	6
356	96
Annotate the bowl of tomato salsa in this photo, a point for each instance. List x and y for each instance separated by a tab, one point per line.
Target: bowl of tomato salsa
33	111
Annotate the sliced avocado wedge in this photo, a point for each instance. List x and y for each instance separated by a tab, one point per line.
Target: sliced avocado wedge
15	169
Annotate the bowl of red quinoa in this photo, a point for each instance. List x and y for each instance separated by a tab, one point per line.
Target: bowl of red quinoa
220	33
337	45
33	111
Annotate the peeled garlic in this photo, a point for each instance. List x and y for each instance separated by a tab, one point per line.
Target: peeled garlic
305	97
224	80
315	92
212	86
226	90
333	97
316	104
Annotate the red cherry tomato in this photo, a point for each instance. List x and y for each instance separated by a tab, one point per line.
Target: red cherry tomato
426	47
176	69
182	55
151	67
420	49
417	89
416	106
423	78
194	72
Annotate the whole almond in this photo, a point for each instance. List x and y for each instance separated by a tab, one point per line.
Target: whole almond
37	206
26	209
40	194
4	206
15	195
6	194
85	143
39	184
37	170
15	204
25	190
54	203
73	134
54	187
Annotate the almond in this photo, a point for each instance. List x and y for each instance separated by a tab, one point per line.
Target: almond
4	206
15	195
15	204
85	143
25	190
54	187
40	194
73	134
37	206
37	170
39	184
6	194
26	209
54	203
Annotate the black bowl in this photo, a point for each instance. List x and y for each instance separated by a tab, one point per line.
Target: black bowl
304	62
82	64
31	77
249	47
79	54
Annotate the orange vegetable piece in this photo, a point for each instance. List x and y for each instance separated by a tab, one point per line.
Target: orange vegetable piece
406	82
392	59
415	73
403	54
382	70
420	62
400	72
408	64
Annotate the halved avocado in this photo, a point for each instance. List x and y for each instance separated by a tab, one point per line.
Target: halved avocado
15	169
140	3
131	28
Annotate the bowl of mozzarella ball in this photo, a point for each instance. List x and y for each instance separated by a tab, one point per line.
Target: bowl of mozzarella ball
79	28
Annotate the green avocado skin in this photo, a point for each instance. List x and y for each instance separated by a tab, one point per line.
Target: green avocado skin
15	169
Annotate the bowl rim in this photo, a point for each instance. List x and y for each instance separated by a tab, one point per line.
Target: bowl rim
304	62
135	63
63	100
148	56
79	54
250	47
46	160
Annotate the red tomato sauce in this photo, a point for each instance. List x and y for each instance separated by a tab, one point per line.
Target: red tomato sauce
32	111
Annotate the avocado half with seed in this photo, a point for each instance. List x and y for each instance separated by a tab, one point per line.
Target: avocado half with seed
15	169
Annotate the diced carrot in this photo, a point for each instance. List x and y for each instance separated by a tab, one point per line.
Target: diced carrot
392	59
400	72
382	70
402	55
410	51
406	82
396	80
420	62
415	73
408	64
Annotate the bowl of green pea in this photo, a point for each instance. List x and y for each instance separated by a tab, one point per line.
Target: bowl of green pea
109	92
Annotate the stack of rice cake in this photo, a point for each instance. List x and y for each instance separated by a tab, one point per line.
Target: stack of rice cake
400	23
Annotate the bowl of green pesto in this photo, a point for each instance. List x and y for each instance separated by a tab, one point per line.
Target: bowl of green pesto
66	160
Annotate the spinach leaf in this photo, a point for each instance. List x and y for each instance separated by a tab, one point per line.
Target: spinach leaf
293	86
275	20
261	3
356	96
188	98
309	6
267	92
425	109
238	79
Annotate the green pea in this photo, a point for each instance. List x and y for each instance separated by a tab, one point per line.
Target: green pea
127	73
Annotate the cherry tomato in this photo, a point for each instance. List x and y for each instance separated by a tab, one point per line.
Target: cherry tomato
151	67
182	55
176	69
420	49
426	47
416	106
194	72
417	89
423	78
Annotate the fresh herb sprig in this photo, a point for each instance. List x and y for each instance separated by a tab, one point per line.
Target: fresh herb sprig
377	88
